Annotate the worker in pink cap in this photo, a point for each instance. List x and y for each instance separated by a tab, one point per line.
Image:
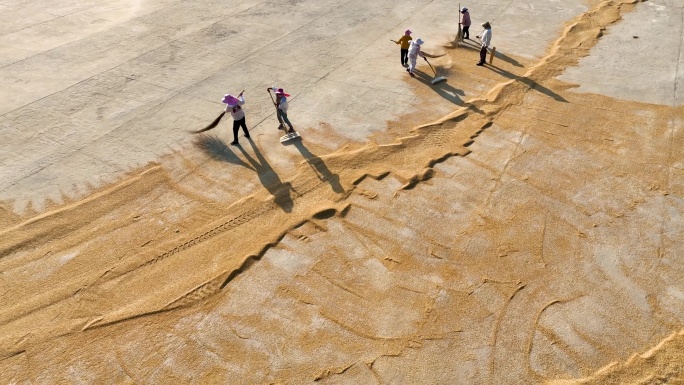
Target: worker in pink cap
281	107
405	42
234	106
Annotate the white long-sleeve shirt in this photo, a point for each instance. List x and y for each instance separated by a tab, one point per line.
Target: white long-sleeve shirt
236	111
414	50
486	37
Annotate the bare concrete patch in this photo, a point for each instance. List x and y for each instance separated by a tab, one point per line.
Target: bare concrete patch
639	58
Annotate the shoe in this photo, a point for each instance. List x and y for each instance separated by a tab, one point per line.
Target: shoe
412	75
235	143
479	64
247	136
290	131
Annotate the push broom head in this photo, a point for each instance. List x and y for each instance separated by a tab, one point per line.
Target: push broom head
437	79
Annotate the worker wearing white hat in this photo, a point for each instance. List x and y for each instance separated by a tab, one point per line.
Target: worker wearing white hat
414	52
486	39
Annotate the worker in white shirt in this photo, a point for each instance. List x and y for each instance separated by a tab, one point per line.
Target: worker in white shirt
486	39
413	53
234	106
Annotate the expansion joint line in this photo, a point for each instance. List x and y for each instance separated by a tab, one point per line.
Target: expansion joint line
168	43
679	62
362	49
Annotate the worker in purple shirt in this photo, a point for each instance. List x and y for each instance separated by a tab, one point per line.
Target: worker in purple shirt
465	22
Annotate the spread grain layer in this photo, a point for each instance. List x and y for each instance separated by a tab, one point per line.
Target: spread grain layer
533	235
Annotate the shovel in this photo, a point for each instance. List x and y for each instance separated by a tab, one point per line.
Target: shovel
437	79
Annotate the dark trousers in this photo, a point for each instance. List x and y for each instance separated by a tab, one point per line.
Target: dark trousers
466	33
282	118
404	57
236	127
483	55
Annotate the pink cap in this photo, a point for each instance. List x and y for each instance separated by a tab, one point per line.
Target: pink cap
280	91
230	100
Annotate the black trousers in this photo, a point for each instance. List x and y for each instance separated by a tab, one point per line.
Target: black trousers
236	127
483	55
466	33
404	57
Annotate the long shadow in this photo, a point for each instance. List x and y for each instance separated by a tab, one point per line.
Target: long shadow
528	82
443	89
217	149
507	59
319	167
269	179
471	44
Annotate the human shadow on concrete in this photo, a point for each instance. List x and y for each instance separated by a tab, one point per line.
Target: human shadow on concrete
443	89
269	179
507	59
474	45
318	166
217	149
470	44
527	81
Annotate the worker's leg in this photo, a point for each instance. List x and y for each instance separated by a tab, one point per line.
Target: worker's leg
286	120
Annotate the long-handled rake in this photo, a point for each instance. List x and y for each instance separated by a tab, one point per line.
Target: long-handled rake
437	79
459	37
280	126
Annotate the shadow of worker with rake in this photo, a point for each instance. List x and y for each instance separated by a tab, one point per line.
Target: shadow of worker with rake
319	167
217	149
269	179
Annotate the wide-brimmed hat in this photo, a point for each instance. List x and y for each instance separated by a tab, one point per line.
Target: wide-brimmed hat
486	24
407	32
230	100
419	41
464	9
280	91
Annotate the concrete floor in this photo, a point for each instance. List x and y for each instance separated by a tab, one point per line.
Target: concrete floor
548	251
95	89
639	59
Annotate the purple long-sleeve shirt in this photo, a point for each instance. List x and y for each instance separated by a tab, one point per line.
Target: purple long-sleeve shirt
466	19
